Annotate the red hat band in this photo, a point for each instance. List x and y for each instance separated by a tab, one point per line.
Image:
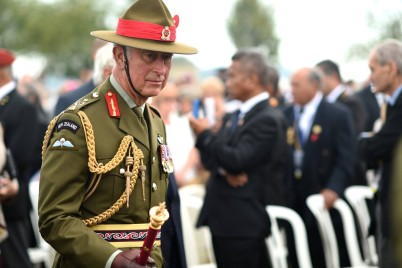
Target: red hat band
146	30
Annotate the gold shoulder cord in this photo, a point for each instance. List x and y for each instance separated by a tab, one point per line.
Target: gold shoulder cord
133	162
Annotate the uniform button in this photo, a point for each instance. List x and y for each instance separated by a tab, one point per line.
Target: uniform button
154	187
95	94
85	99
153	159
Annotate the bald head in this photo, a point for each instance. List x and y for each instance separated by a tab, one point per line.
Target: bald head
305	82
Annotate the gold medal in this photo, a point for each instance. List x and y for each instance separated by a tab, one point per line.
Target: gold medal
290	133
166	158
317	129
298	174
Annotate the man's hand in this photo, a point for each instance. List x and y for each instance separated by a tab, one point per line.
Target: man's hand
8	188
236	180
198	125
126	259
329	197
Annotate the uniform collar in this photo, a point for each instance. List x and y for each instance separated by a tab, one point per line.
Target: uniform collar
250	103
395	95
7	88
335	93
124	94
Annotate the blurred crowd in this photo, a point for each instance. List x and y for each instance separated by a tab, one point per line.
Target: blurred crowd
339	133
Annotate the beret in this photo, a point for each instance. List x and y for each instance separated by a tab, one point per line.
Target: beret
6	57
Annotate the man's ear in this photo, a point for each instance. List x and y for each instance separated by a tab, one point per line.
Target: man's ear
118	54
254	79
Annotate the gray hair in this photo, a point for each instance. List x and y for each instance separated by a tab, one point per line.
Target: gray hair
316	76
390	50
255	61
103	59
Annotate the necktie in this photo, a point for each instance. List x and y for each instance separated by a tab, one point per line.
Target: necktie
297	126
138	112
234	120
383	111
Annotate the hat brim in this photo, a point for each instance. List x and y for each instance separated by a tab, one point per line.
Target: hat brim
168	47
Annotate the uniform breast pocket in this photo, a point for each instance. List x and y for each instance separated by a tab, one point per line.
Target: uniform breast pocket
104	190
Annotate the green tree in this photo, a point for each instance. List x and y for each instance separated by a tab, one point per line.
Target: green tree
58	30
251	24
391	27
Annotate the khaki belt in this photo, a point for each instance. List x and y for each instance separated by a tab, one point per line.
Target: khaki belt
125	235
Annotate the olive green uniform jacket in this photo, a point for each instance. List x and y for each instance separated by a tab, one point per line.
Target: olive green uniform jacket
65	177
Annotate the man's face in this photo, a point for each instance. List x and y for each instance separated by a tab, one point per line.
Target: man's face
303	90
237	81
149	70
380	75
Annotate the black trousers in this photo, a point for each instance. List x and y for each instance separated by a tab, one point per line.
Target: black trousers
240	252
14	249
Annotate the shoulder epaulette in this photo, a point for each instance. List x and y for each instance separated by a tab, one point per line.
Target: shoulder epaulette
84	101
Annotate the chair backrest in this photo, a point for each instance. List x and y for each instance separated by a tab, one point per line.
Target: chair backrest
277	249
299	231
34	195
357	197
43	253
316	205
197	241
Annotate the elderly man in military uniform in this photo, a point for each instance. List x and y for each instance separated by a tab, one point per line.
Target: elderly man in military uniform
105	158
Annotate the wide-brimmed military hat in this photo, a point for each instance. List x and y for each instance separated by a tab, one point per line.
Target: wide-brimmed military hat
147	24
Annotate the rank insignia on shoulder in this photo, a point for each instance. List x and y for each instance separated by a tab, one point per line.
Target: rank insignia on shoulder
112	104
63	143
67	124
166	158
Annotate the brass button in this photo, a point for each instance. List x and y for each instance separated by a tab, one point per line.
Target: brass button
154	187
153	159
95	94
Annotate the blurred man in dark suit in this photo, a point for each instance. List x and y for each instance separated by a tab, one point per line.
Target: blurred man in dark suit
246	159
377	149
336	91
21	129
321	140
103	64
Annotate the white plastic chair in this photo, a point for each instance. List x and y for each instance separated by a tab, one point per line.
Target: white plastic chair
276	246
357	196
43	253
316	205
197	241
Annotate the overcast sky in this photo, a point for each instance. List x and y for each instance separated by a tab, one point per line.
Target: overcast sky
309	30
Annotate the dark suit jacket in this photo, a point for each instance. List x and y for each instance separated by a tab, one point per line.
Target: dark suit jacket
172	236
380	149
21	130
328	156
357	110
371	105
257	147
360	118
70	97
